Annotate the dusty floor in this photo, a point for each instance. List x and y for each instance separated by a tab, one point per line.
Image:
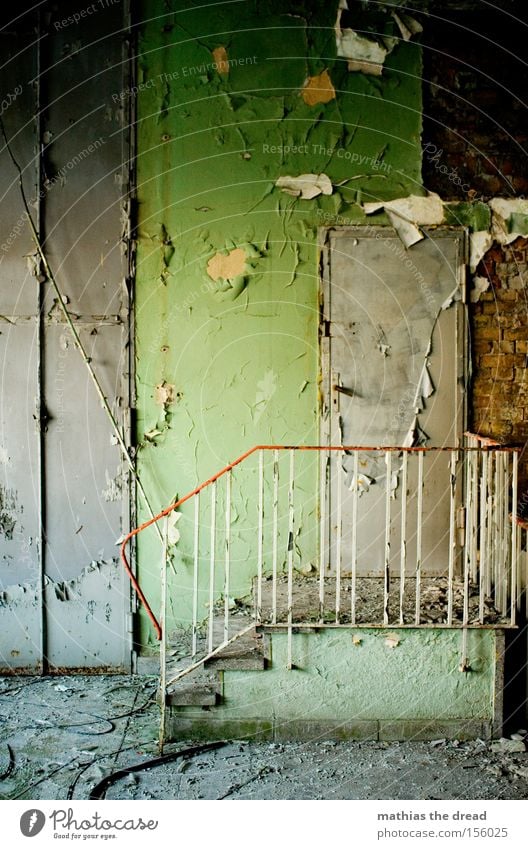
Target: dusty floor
65	734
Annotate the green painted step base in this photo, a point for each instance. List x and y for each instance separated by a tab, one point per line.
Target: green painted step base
207	727
368	684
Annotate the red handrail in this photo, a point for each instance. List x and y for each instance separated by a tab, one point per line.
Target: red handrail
180	501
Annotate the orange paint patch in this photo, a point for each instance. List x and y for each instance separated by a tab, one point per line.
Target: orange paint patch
221	60
227	266
318	89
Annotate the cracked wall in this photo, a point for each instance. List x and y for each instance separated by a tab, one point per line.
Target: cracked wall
230	100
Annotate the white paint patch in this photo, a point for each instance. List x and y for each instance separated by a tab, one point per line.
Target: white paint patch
305	186
479	243
407	214
480	285
113	488
501	211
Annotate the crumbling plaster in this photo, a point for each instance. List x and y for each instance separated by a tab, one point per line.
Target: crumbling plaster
224	126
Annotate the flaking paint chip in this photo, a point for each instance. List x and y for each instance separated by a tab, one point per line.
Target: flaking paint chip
227	266
318	89
305	186
221	60
164	393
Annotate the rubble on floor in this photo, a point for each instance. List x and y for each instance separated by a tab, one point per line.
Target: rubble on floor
61	736
369	601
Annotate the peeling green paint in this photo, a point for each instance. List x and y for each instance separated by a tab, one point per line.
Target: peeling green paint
210	148
476	216
332	678
358	688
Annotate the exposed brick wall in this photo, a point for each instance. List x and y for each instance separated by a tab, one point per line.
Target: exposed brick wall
475	122
499	333
474	130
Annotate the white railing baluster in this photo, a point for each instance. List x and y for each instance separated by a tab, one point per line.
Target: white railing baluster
196	561
483	562
163	642
339	518
291	531
386	570
275	541
260	541
322	532
227	563
504	533
474	458
403	533
489	524
419	519
467	547
212	555
496	542
514	532
354	538
452	534
526	574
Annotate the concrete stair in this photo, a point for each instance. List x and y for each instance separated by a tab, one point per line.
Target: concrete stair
203	686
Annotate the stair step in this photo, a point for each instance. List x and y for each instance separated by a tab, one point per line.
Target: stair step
246	653
187	694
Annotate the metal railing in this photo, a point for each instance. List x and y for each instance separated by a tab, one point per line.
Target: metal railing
344	535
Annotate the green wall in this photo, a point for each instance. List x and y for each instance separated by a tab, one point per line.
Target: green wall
242	354
368	683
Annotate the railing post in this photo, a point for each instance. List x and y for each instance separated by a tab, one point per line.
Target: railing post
260	540
196	561
354	538
291	543
514	547
274	553
212	556
163	642
386	575
339	518
452	534
419	520
323	472
483	562
227	563
403	533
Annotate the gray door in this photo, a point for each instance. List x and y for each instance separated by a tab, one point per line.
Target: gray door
64	500
393	353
